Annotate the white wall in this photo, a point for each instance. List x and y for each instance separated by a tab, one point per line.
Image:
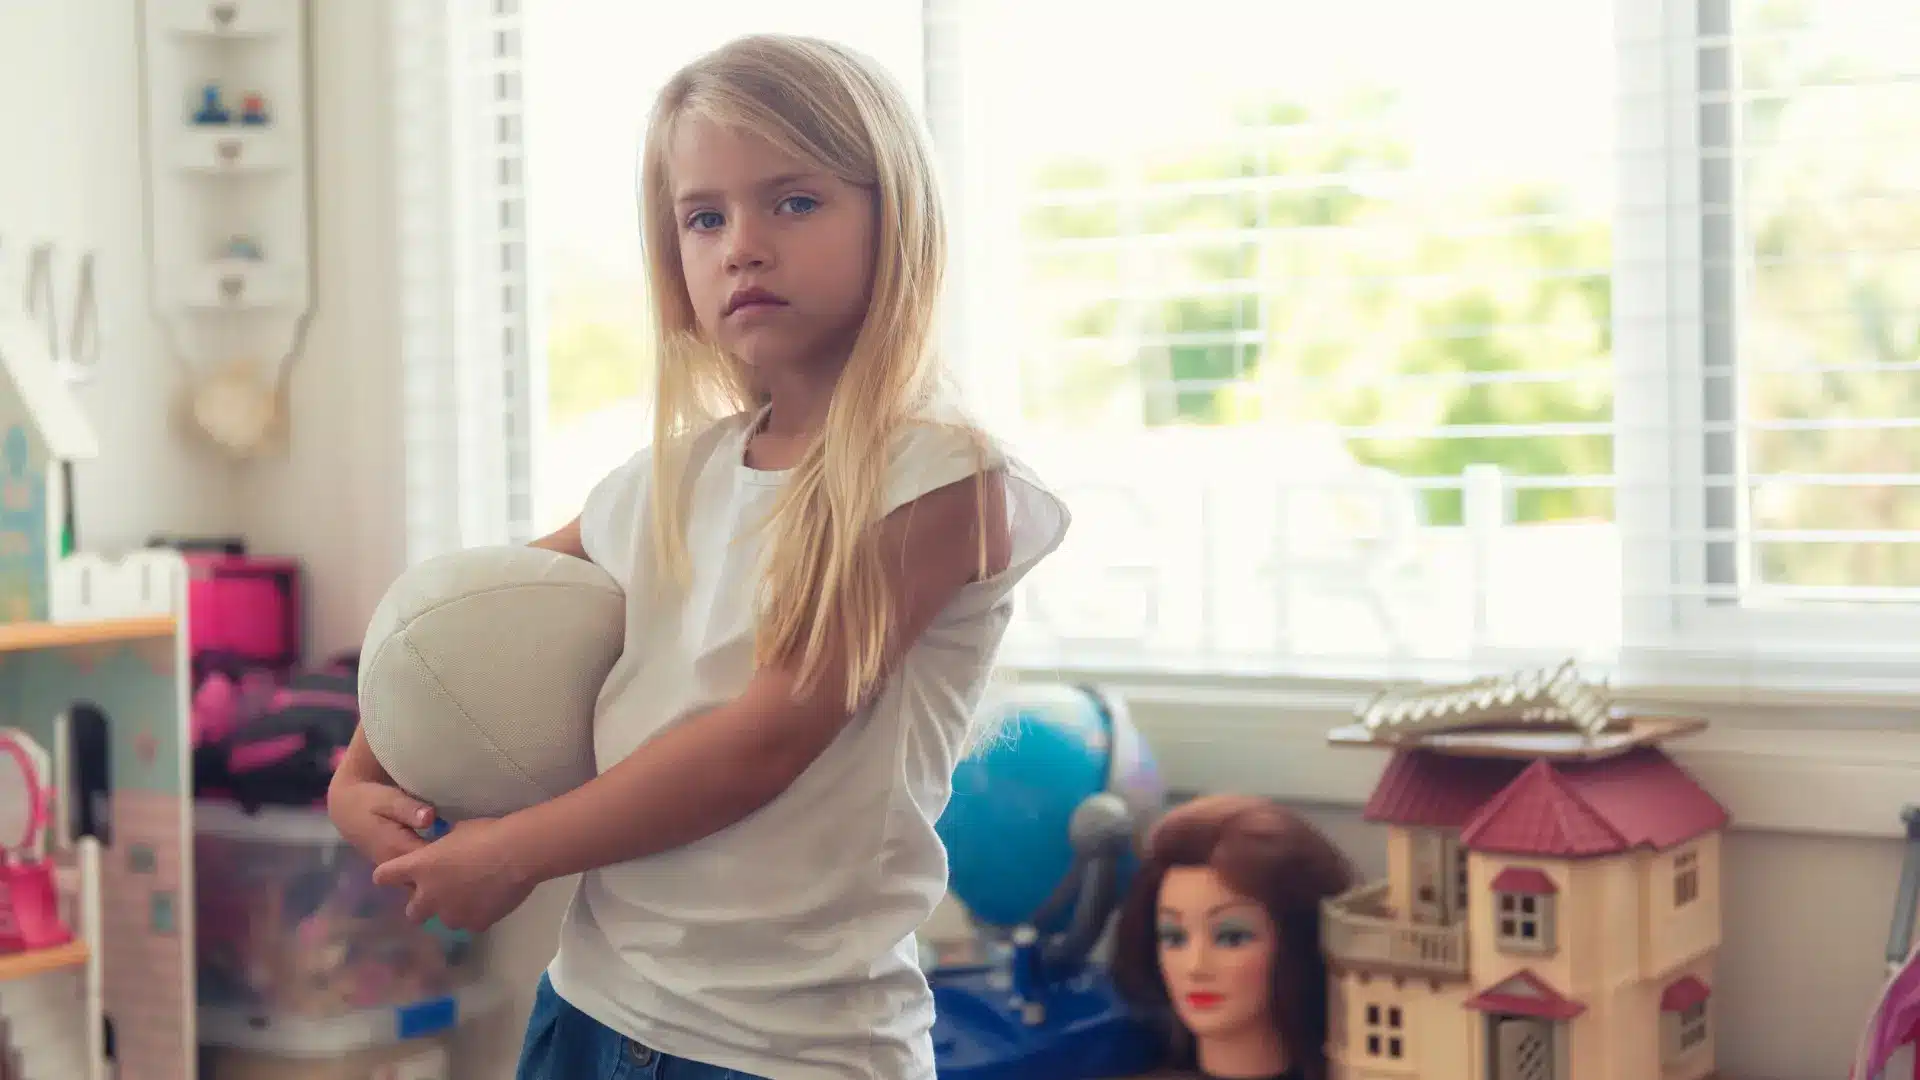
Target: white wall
70	137
335	499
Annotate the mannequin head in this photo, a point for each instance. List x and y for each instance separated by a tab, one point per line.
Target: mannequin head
1220	935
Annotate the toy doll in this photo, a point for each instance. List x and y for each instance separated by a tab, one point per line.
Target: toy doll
1220	937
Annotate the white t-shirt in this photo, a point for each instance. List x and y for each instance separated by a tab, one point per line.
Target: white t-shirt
783	946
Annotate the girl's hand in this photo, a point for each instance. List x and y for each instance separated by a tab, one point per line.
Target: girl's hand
468	879
379	820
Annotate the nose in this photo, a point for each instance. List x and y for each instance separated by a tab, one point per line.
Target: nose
747	246
1197	958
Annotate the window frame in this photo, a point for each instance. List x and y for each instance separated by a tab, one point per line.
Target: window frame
1385	1026
460	490
1696	1020
1686	878
1544	942
1674	635
1675	641
468	329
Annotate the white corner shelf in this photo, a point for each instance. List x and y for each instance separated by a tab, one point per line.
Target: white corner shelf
230	206
237	20
236	285
233	150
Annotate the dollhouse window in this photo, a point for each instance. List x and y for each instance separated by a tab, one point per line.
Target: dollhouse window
1693	1026
1460	883
1686	878
1385	1034
1686	1031
1523	910
1523	922
1683	1009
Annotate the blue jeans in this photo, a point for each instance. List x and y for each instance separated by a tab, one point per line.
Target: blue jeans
564	1043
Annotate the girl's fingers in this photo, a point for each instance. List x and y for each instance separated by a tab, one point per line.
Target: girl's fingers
403	809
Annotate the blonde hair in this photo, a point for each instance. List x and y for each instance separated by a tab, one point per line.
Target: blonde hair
824	585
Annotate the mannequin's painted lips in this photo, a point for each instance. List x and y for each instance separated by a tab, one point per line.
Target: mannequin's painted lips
1204	1000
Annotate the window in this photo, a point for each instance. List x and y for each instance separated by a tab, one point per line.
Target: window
1523	922
1384	1032
1525	331
1684	1031
1354	359
1683	1017
1686	878
1693	1026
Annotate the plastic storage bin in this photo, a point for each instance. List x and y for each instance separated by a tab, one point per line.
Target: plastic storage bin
345	1035
291	926
426	1059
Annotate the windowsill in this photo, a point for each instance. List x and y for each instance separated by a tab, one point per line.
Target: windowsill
1788	761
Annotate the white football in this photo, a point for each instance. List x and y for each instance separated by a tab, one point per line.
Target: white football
479	673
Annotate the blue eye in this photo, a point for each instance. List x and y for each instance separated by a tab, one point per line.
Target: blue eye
1172	937
701	220
800	204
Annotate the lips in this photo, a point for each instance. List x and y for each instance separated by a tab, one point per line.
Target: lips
1205	1000
755	298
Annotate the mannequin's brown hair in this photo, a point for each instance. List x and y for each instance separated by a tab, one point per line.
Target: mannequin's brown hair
1261	850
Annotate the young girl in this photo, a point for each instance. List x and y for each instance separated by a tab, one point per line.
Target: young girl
818	559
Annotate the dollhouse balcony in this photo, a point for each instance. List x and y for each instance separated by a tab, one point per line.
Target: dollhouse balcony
1360	932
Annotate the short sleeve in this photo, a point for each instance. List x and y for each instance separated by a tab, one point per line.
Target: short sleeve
931	455
610	520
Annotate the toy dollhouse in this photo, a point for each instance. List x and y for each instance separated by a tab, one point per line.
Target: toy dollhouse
93	670
43	432
1552	902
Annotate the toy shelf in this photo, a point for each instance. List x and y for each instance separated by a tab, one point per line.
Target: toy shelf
26	965
227	19
240	285
222	152
229	177
25	637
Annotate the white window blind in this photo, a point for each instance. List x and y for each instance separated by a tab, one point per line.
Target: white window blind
472	392
1517	332
1790	384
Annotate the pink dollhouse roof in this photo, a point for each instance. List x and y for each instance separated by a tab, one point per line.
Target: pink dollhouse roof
1423	789
1538	814
1567	809
1525	994
1524	881
1683	994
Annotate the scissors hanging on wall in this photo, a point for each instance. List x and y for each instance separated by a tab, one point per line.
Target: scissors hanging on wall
79	352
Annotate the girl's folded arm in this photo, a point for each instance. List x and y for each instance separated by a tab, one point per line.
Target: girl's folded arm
723	765
565	540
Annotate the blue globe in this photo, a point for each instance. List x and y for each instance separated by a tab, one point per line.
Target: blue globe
1006	827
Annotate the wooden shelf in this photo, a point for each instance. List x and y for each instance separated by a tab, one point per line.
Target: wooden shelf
41	961
25	637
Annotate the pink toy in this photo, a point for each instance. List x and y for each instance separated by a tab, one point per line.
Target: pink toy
29	904
1895	1023
1551	907
222	704
244	611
